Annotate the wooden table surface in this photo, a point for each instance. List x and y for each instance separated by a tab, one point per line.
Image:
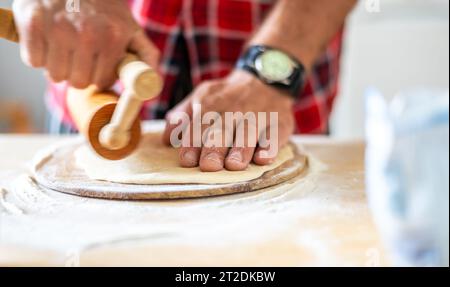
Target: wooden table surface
319	219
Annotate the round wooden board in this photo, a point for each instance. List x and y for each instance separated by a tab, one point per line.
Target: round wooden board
56	170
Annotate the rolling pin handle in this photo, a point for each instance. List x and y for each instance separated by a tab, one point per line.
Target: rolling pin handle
139	77
141	83
116	134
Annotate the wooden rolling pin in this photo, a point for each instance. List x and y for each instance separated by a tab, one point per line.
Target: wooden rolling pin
109	122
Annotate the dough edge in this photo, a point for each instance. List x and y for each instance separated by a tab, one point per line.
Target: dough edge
132	171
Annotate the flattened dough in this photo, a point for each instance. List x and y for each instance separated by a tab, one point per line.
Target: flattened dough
155	163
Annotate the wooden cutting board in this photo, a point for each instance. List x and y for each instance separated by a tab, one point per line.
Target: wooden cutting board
56	170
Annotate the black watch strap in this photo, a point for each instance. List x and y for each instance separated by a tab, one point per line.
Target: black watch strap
292	85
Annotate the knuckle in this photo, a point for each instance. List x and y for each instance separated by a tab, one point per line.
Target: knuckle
206	85
26	58
79	83
104	81
87	39
87	35
206	88
56	76
156	54
61	28
208	104
34	22
33	63
115	33
30	57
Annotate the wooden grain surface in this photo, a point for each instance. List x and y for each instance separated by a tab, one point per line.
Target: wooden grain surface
7	26
93	110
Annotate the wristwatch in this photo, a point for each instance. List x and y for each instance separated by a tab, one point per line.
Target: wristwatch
274	67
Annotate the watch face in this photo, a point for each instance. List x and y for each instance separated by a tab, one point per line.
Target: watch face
274	65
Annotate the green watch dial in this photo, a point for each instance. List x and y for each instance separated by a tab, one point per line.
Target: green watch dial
274	65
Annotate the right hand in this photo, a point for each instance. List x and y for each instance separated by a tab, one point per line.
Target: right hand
82	47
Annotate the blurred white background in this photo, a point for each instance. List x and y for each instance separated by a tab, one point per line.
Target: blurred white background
20	83
403	45
392	45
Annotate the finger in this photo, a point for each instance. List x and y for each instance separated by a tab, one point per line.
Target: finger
265	155
239	158
190	151
105	74
33	46
82	69
241	154
111	54
173	120
212	158
185	106
262	156
60	46
189	155
58	63
85	58
145	49
215	149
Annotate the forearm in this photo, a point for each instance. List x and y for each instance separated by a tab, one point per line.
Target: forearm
303	27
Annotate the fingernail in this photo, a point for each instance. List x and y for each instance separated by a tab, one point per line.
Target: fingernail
213	157
265	154
190	157
236	156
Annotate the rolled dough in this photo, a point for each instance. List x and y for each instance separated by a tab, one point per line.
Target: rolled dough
155	163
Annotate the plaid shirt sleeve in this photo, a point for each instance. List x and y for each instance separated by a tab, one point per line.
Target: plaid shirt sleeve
201	40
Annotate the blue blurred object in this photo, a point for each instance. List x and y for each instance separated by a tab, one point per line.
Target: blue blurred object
407	174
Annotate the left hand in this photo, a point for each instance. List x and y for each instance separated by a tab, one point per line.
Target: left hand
238	92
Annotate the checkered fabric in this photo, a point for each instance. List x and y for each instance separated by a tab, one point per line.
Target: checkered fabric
201	40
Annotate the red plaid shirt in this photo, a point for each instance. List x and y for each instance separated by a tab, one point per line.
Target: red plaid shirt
201	40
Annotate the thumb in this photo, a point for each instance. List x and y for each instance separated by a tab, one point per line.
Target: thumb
145	49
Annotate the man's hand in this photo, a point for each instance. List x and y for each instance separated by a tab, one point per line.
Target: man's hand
239	92
301	27
82	47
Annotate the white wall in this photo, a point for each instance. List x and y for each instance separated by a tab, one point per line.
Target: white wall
20	82
406	44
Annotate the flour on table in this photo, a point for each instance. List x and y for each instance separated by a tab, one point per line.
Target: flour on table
318	218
